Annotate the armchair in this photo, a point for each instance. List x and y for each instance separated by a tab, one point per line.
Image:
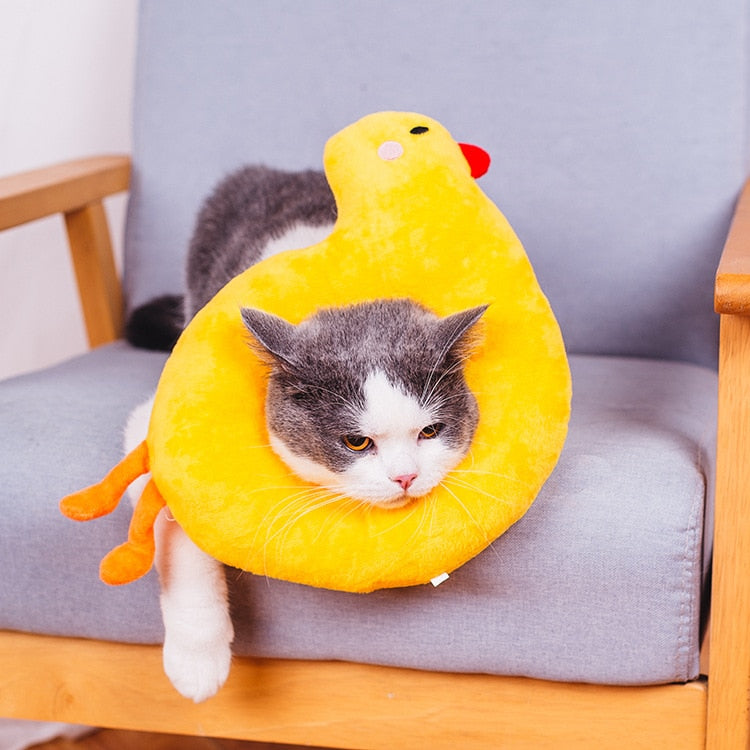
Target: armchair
618	137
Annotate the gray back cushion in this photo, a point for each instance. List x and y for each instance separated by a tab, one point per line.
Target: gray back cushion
617	132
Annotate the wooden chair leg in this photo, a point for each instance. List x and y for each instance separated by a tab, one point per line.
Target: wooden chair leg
96	274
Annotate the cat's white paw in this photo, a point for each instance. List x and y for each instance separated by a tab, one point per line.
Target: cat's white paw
198	631
197	665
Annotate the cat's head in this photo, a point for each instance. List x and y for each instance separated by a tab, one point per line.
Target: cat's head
369	400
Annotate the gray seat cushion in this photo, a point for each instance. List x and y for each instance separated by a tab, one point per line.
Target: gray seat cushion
599	582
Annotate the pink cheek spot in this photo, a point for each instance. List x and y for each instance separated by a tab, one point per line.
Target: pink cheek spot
390	150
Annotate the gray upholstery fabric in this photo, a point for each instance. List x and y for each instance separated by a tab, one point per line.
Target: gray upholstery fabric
61	430
618	133
599	582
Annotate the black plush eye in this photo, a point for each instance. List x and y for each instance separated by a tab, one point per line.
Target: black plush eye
431	431
356	443
419	130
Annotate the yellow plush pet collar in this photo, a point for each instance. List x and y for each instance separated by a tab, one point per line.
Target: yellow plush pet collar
412	223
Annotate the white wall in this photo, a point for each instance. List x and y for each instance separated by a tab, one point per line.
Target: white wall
66	79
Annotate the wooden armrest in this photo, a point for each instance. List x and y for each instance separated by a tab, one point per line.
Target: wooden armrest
76	189
732	290
728	705
61	188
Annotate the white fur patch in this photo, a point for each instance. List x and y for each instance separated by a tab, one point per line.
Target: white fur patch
299	236
394	420
389	412
305	468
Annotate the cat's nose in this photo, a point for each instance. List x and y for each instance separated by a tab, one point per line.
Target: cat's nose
405	480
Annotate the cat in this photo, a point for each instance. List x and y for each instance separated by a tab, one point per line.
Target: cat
368	400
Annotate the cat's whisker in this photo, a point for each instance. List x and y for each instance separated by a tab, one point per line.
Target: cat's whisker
487	472
323	502
442	404
355	505
353	406
290	522
463	484
430	388
301	492
443	353
438	401
433	513
398	523
236	573
287	528
424	502
427	389
476	523
451	397
293	507
284	506
274	488
300	501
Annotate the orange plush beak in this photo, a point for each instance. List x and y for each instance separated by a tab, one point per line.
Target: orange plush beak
478	158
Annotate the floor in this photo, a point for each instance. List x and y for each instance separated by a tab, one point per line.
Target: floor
114	739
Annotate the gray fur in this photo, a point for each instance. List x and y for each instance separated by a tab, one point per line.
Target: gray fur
246	210
318	369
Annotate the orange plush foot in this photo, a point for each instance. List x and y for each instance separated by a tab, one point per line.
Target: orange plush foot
88	503
103	497
126	563
134	558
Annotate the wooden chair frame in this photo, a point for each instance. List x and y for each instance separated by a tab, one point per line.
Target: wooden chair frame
347	705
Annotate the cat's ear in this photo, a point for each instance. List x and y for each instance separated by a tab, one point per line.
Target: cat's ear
454	332
273	334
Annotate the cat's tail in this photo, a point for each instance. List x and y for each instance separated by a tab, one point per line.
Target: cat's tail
157	324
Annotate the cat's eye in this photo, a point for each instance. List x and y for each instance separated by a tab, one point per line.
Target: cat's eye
356	443
431	431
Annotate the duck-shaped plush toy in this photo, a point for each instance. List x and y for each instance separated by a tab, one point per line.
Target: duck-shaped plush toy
412	224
